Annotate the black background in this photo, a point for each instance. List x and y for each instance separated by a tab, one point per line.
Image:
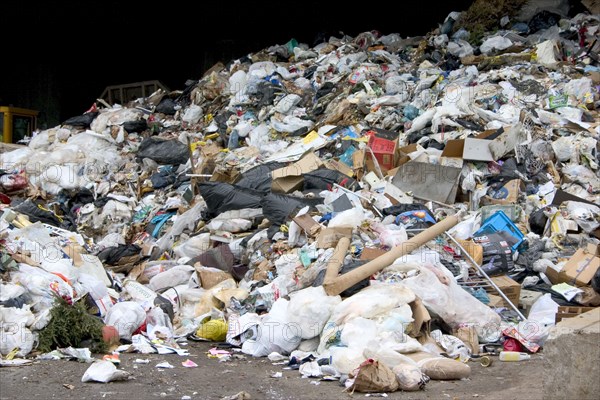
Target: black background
58	56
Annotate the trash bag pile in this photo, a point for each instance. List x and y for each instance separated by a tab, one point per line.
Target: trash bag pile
246	208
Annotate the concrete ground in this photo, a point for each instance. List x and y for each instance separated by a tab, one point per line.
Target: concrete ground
213	380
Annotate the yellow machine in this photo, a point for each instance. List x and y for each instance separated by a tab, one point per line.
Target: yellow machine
16	123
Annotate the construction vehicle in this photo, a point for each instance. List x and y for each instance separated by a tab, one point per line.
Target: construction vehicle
17	123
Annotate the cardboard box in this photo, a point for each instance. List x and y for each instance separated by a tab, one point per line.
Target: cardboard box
580	268
509	287
475	250
452	156
290	178
496	301
472	149
403	152
308	224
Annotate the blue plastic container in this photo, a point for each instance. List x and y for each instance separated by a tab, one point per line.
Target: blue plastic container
500	222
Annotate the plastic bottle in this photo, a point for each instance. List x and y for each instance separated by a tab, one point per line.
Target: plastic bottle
513	356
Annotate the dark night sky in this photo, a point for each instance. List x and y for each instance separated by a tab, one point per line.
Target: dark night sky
81	47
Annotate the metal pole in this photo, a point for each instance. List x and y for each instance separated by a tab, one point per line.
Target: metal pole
482	272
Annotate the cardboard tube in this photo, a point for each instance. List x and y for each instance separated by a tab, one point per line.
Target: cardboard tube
343	282
336	260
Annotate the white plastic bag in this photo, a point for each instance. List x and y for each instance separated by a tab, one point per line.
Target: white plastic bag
192	114
451	302
391	235
410	377
275	333
194	246
578	88
186	220
175	276
346	359
541	319
310	309
546	53
126	317
104	371
495	43
460	48
14	336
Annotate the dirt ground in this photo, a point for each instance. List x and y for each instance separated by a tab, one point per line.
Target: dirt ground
213	380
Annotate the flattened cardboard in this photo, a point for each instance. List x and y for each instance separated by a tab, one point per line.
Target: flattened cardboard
509	194
330	236
340	167
507	141
210	277
477	150
342	203
428	181
309	162
369	254
420	325
358	163
475	250
290	178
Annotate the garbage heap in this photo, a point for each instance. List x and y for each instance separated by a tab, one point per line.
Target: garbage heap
266	206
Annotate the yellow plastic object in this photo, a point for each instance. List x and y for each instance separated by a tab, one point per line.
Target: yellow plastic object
16	123
214	330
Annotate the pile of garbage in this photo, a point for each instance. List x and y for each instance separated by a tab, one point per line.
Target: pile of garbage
368	210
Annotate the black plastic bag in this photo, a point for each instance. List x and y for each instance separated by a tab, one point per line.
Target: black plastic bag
163	151
325	89
113	255
265	93
596	281
35	214
543	20
537	222
71	201
259	177
323	179
83	121
278	207
135	126
402	208
166	106
221	197
352	290
162	179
